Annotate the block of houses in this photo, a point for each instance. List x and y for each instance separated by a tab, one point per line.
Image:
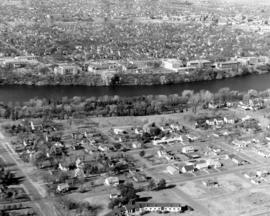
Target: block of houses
240	144
18	62
111	181
140	208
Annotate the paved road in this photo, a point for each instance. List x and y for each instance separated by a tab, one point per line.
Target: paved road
37	193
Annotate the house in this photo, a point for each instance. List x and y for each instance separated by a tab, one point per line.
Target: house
118	131
172	170
136	145
255	181
114	195
210	183
159	141
138	131
199	63
218	121
65	68
62	188
229	121
236	160
62	168
188	169
188	149
210	123
79	173
214	163
250	175
103	148
139	177
201	165
191	138
111	181
172	64
164	154
262	173
95	67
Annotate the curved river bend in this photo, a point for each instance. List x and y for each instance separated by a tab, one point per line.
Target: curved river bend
24	93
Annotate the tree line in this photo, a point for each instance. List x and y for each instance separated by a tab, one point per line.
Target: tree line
77	107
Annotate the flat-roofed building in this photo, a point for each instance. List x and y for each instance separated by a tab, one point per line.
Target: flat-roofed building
199	63
172	64
228	65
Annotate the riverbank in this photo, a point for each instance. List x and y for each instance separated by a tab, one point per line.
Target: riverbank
33	77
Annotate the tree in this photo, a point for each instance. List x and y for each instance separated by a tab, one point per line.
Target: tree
161	184
152	185
113	203
195	100
127	192
142	153
187	93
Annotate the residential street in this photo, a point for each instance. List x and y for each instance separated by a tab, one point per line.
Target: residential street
36	191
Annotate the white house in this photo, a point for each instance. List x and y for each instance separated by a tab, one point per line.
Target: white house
118	131
188	149
111	181
229	121
202	165
214	163
62	188
172	64
172	170
62	168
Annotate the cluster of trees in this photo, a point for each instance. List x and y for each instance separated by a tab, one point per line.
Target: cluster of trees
121	106
80	208
101	106
160	185
127	194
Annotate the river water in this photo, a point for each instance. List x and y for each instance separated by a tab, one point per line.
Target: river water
24	93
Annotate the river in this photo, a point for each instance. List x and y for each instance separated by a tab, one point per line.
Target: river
24	93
